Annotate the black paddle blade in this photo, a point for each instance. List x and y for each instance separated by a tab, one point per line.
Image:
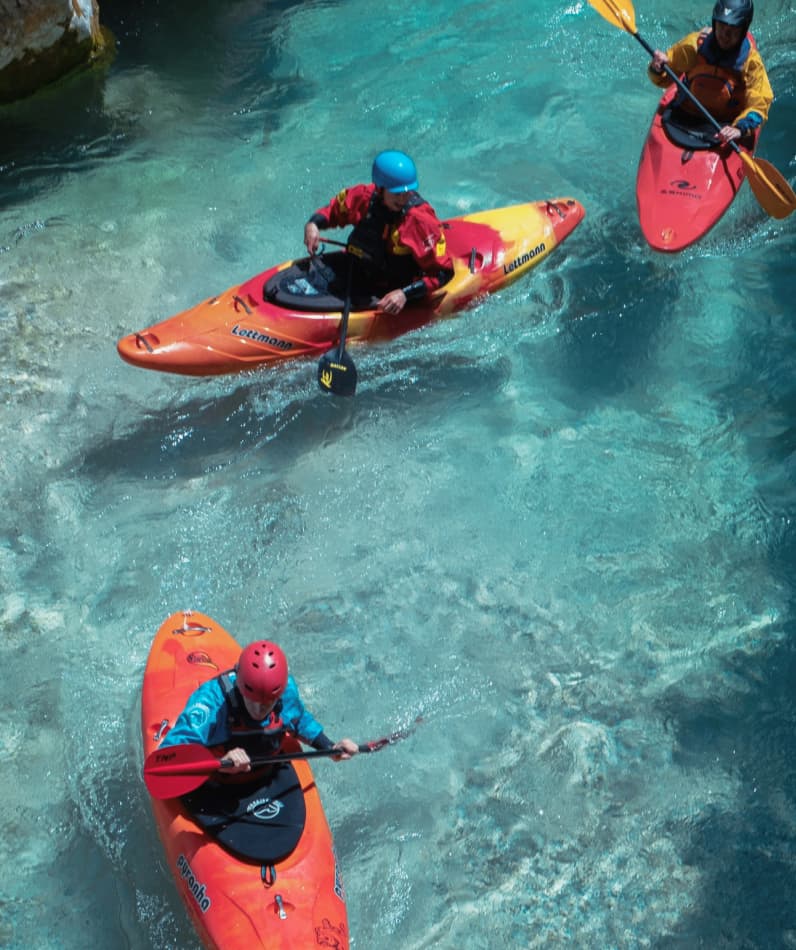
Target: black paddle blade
337	373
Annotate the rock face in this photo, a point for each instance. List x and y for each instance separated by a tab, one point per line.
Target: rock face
42	40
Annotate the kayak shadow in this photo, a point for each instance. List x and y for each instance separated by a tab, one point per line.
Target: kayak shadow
251	427
197	436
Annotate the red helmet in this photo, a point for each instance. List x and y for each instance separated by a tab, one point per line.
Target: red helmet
262	672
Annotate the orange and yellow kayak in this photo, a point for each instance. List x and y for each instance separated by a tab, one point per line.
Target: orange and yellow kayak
244	327
235	903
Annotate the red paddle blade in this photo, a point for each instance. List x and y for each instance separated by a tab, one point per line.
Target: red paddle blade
377	744
178	769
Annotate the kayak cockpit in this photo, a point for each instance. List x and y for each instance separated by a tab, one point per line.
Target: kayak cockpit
315	284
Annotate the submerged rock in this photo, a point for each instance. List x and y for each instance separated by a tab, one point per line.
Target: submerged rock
43	40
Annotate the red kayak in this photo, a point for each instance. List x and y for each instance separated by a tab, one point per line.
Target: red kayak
254	862
685	181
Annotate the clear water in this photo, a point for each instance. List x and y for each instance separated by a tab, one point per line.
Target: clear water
559	528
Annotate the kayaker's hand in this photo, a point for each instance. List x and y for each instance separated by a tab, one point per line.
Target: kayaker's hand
659	60
347	747
393	302
240	761
728	134
312	237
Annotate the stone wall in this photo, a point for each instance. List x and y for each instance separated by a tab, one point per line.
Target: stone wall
42	40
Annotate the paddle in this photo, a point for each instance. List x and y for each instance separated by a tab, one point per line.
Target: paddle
178	769
337	373
772	191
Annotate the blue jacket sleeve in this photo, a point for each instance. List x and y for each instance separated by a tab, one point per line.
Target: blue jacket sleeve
296	717
203	720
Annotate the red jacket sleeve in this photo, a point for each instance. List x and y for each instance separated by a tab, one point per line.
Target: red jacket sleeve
347	208
422	233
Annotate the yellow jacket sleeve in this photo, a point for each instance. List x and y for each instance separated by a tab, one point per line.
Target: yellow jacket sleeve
759	95
682	57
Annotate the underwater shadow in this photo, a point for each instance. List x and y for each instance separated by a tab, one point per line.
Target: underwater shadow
246	427
608	345
747	894
212	60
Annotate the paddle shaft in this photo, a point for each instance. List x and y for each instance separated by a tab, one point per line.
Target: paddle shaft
346	311
683	88
180	769
210	764
287	757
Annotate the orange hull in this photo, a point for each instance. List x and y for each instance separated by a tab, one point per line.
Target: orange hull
239	329
231	906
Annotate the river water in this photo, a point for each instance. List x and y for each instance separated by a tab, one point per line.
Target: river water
559	528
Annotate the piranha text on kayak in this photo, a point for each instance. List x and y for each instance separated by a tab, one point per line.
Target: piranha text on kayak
194	886
519	261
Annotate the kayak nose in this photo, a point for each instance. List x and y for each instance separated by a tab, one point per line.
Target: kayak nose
137	348
565	215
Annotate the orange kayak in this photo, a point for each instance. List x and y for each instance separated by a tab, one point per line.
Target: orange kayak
252	324
257	900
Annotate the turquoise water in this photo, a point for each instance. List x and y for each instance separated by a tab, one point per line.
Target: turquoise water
559	528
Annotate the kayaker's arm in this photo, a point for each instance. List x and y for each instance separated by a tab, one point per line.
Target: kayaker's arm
679	58
322	743
312	233
396	300
238	760
306	727
346	208
758	96
347	747
202	720
415	291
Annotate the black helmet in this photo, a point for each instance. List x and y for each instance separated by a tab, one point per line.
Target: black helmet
734	13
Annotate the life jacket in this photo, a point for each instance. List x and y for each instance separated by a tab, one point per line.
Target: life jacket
375	241
258	740
717	78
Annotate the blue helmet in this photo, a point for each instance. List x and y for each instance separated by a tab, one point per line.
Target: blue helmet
394	171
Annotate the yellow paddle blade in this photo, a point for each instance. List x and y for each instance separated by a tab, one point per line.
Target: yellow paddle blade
769	186
618	12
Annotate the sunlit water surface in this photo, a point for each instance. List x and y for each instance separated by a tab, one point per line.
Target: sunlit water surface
559	528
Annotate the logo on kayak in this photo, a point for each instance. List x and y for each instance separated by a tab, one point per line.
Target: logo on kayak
338	878
238	330
194	886
681	186
329	935
519	261
264	808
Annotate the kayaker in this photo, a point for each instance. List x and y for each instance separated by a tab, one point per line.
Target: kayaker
397	240
722	67
246	711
